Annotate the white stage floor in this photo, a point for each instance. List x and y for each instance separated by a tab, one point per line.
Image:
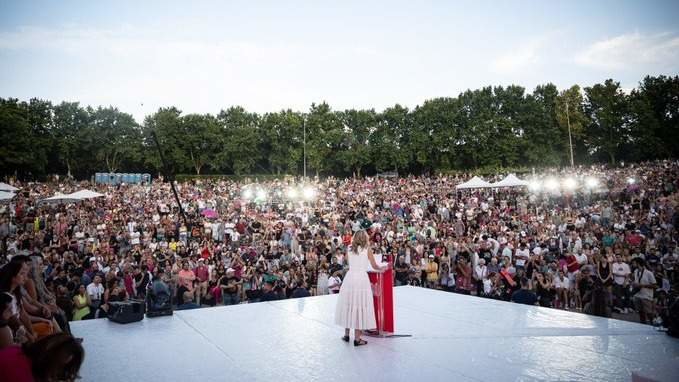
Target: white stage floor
454	338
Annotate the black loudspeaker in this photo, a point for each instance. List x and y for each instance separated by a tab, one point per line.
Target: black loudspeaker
158	305
126	312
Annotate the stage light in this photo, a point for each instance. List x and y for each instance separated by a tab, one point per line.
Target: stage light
534	185
292	193
308	192
570	184
551	184
247	194
631	180
591	182
261	194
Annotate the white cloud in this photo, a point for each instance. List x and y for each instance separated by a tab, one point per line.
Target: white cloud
633	50
520	58
129	66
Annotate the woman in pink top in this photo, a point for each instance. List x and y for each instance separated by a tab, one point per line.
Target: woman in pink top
57	357
186	276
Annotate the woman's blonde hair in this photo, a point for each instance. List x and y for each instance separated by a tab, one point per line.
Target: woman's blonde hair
360	240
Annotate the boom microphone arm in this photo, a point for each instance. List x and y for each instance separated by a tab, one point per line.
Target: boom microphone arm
167	174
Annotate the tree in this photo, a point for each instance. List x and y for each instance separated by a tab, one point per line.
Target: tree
654	119
323	139
167	125
476	121
542	141
70	125
202	140
242	139
390	143
358	126
434	134
490	128
282	133
15	150
606	107
116	138
569	110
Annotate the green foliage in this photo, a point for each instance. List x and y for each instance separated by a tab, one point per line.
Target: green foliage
606	108
488	129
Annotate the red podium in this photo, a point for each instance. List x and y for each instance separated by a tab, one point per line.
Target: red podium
383	299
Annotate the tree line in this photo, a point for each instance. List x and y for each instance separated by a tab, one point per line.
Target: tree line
492	127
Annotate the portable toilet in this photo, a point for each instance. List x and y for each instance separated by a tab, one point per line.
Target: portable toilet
146	178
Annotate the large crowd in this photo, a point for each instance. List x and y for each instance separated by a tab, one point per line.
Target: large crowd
599	249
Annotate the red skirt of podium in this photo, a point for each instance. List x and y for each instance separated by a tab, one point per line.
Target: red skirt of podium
383	299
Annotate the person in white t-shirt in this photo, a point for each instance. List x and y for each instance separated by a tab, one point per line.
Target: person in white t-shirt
334	283
522	255
581	258
644	281
621	274
96	292
562	286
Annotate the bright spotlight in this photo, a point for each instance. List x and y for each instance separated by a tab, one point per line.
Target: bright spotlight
551	184
631	180
534	185
591	182
570	184
292	193
247	194
261	194
308	192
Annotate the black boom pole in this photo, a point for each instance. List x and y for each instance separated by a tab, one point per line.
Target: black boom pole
170	177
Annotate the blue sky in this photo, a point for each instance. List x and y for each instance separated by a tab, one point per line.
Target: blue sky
202	56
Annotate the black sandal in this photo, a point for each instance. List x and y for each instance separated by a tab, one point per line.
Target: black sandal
360	342
345	338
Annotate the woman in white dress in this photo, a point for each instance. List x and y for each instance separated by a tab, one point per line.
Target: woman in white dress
355	303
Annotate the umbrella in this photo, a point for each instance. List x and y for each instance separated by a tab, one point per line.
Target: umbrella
7	187
209	213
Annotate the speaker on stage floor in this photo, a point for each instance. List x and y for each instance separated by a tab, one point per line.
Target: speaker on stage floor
158	304
126	311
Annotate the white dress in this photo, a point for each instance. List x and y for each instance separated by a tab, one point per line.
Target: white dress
355	303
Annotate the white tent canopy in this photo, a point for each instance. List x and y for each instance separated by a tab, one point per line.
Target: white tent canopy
510	181
6	195
73	197
61	198
474	182
85	194
7	187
